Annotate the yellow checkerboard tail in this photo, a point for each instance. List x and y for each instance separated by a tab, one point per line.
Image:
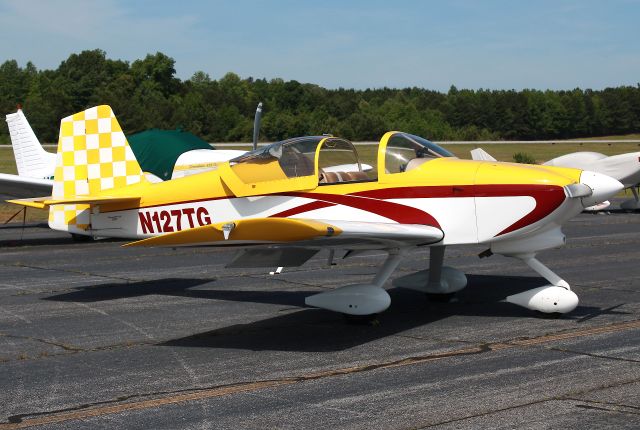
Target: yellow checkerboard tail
93	157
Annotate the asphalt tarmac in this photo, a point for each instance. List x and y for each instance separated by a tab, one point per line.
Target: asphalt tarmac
96	336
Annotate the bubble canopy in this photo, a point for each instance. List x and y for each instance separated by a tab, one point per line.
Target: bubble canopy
295	156
311	161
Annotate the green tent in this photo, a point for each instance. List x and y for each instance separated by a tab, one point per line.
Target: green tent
158	150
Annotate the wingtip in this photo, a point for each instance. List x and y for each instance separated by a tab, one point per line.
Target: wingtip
32	203
134	244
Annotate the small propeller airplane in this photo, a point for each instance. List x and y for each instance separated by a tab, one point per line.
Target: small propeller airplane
623	167
283	203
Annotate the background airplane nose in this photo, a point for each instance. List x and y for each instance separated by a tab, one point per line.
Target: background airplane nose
604	187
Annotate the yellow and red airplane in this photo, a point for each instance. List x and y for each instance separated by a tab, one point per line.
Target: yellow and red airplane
283	203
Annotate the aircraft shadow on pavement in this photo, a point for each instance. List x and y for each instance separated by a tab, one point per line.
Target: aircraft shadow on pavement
482	289
179	287
315	330
123	290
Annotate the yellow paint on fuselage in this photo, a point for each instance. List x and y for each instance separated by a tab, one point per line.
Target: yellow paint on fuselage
492	172
267	170
268	178
200	186
437	172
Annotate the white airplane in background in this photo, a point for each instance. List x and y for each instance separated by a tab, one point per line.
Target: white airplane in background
624	167
36	166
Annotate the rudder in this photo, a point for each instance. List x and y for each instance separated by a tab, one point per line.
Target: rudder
93	157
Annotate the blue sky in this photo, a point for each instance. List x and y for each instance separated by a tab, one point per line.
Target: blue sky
492	44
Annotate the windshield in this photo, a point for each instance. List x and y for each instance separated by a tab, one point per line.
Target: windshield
295	157
406	151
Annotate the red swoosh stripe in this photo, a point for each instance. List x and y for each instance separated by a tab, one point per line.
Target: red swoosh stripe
548	198
394	211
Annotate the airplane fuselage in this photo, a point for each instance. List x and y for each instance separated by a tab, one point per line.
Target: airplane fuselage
483	205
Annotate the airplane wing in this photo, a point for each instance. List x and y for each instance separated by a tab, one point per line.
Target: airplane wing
623	167
18	187
307	236
480	154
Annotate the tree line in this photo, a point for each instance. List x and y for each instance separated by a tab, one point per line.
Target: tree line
147	94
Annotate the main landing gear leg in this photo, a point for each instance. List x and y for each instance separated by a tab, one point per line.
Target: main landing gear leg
439	282
554	298
361	299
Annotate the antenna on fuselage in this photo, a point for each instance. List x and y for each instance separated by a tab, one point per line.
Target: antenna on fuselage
256	125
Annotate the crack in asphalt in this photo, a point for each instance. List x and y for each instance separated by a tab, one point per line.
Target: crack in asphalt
181	396
594	355
569	397
64	346
75	272
114	406
608	406
68	349
611	409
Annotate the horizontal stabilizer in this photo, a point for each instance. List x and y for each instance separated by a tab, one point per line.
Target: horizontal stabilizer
43	202
253	230
34	202
18	187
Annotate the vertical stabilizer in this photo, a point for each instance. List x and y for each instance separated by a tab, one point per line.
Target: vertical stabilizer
93	157
480	154
31	159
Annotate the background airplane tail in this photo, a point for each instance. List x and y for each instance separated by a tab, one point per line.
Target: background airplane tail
93	157
31	158
480	154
